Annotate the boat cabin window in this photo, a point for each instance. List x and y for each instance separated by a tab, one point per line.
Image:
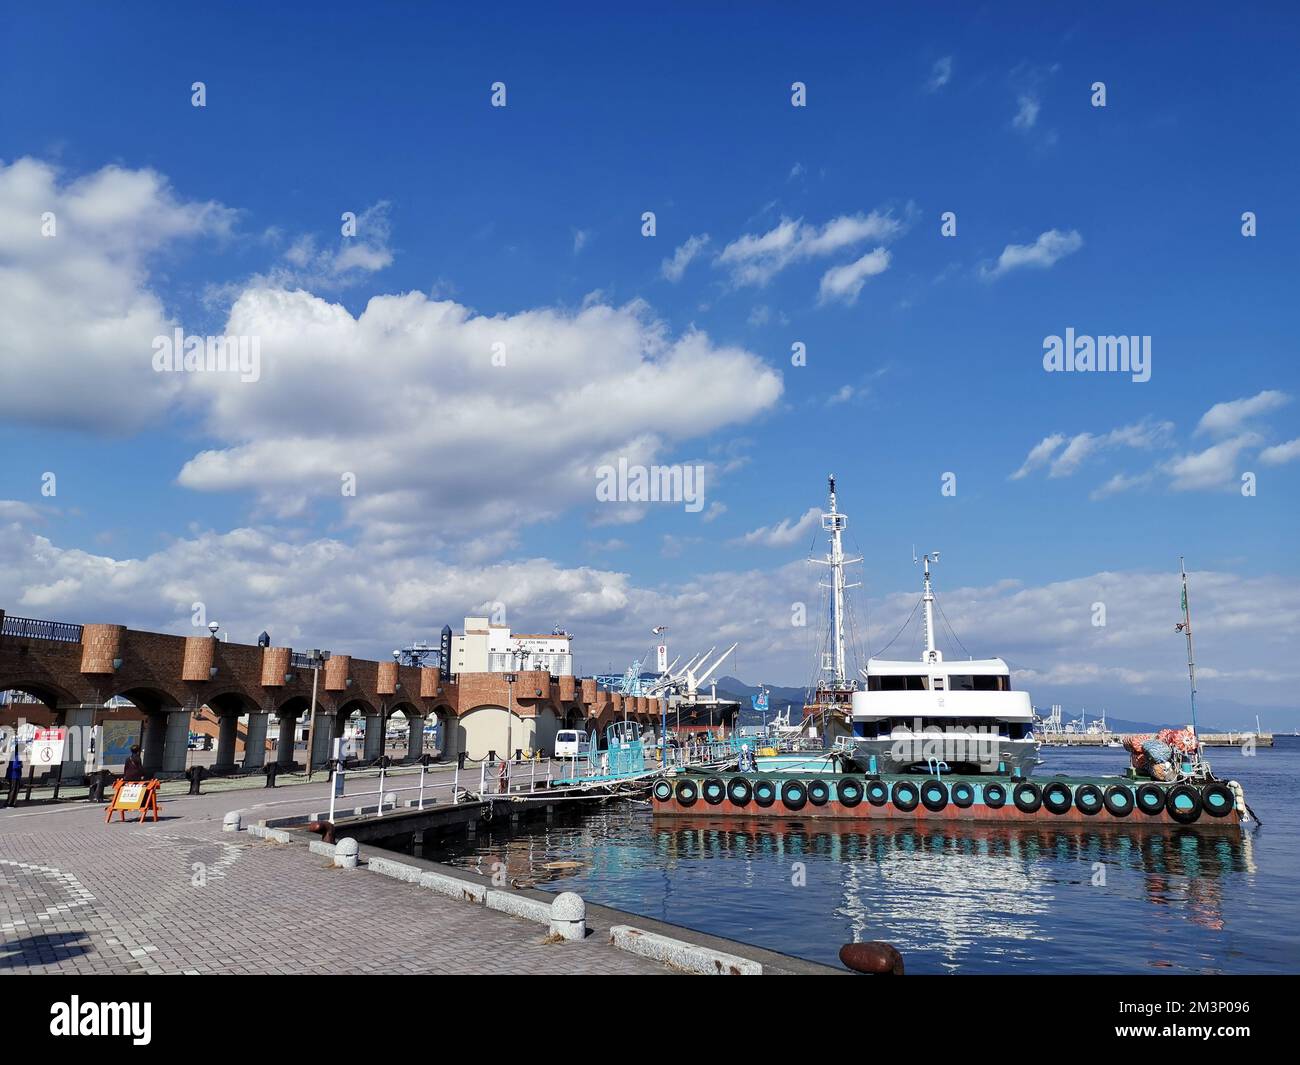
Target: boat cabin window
887	683
938	684
966	682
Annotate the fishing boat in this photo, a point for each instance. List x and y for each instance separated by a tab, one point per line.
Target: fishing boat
871	775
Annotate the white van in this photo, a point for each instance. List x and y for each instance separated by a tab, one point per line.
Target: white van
570	743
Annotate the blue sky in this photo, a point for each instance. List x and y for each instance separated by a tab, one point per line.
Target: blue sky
1128	218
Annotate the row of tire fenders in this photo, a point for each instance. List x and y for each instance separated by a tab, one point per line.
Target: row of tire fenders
1183	802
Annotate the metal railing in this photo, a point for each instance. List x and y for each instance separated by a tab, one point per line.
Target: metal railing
503	777
423	788
35	629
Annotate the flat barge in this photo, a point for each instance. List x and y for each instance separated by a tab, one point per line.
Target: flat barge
983	798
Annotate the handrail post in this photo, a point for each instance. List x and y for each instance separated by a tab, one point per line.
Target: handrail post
455	785
380	804
421	785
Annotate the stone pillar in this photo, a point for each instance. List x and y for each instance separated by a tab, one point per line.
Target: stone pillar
227	734
79	721
255	742
415	738
284	745
176	742
155	735
374	736
447	726
322	737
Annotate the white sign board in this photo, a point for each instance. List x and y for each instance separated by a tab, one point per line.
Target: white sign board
47	747
661	657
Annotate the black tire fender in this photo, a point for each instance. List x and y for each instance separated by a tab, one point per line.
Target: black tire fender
1218	799
1027	796
1088	799
794	793
1183	803
1150	799
1056	797
1118	801
934	795
739	791
713	790
905	795
848	792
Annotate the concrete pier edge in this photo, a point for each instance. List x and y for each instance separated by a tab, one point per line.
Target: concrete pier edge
682	948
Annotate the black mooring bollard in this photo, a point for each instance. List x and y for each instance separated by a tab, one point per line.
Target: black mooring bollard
874	957
460	760
271	769
196	774
98	782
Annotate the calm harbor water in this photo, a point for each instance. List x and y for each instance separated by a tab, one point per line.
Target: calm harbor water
1104	898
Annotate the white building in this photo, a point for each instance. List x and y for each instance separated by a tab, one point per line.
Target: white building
486	648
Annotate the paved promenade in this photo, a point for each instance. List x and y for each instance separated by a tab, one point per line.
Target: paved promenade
181	896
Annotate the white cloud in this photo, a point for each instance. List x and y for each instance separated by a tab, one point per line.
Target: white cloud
79	314
1280	454
754	259
843	283
1120	483
465	442
1225	419
324	592
784	533
1027	112
673	269
1039	455
580	238
940	74
1213	468
1049	249
1144	435
714	512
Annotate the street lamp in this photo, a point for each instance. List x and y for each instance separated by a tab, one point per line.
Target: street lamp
315	660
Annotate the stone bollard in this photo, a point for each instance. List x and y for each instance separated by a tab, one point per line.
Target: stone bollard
569	916
390	800
231	822
345	853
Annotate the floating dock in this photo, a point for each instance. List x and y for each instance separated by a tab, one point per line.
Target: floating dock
910	798
1101	739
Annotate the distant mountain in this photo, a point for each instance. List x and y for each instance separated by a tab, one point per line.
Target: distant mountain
778	699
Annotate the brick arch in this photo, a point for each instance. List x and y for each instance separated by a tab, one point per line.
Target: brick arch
231	700
52	695
149	698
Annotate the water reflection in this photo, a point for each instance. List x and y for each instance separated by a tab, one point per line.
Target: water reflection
970	897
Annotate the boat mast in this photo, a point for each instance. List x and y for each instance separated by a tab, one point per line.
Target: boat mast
931	654
835	523
1186	629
